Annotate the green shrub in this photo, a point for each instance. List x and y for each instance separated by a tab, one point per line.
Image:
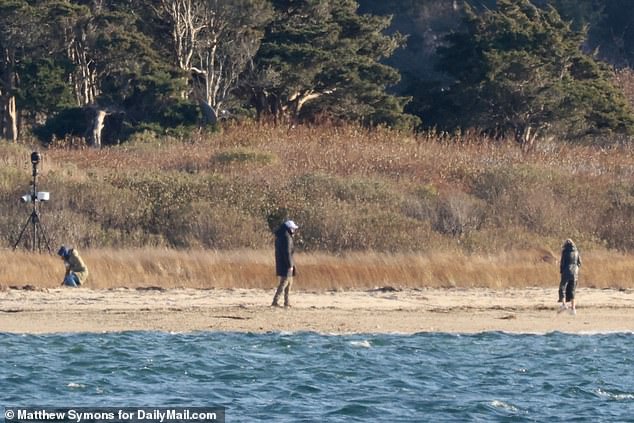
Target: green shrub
243	156
421	204
218	226
458	213
352	190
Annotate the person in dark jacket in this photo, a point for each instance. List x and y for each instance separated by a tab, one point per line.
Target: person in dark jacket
76	270
284	263
569	269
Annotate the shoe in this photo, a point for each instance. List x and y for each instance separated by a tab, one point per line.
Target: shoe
275	305
562	307
287	305
573	311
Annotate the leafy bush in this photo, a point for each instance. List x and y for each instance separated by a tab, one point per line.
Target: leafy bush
458	214
244	156
68	122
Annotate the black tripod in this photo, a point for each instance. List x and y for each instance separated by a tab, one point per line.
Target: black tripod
37	229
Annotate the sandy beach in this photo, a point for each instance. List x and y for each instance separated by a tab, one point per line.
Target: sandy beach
533	310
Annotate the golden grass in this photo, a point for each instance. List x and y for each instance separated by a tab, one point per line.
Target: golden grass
204	269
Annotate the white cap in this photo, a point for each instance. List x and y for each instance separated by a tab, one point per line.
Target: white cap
291	225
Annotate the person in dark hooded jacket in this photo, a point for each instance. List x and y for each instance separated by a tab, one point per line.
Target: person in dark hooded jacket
569	269
284	262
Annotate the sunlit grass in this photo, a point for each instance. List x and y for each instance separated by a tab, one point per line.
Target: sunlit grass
203	269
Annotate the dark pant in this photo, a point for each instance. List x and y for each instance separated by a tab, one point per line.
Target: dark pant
567	286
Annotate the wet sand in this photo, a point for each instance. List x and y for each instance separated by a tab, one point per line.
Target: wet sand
532	310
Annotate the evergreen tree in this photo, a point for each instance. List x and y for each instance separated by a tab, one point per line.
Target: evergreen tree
613	35
44	87
320	57
44	73
519	70
21	30
118	77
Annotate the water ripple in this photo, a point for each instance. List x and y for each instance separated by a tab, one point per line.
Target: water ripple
308	377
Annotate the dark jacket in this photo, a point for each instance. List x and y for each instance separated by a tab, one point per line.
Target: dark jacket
283	251
570	262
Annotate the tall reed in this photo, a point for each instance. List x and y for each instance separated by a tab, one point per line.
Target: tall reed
205	269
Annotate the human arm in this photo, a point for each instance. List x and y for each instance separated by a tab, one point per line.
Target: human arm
561	263
289	255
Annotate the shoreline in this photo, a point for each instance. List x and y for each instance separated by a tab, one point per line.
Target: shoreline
408	311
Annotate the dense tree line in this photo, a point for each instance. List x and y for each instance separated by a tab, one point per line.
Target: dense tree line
514	67
102	70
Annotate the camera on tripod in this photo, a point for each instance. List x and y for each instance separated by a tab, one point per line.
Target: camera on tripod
36	158
35	197
40	196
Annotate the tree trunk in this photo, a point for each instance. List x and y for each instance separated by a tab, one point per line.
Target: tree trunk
94	140
526	136
11	118
84	77
209	114
298	100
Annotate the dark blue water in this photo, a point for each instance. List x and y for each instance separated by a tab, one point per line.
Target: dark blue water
308	377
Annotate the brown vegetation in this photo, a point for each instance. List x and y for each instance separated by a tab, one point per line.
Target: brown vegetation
430	209
204	269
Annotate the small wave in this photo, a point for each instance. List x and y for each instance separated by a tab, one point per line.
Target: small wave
504	406
605	332
74	385
336	378
617	396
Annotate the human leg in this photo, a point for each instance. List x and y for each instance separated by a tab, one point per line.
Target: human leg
287	291
71	280
562	291
570	294
281	287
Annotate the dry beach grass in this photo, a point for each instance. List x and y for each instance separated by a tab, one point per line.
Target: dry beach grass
254	269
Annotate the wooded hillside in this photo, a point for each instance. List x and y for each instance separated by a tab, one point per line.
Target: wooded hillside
99	71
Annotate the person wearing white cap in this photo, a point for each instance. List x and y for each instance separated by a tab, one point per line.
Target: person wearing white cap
284	262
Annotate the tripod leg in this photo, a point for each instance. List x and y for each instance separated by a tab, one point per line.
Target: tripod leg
22	233
42	234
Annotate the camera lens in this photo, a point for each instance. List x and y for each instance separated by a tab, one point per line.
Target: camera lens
35	157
